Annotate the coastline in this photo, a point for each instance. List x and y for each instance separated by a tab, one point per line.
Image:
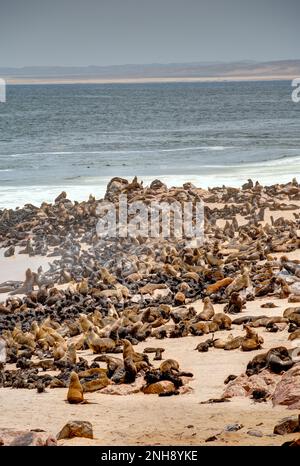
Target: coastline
212	79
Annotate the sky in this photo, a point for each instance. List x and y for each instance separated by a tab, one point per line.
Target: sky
113	32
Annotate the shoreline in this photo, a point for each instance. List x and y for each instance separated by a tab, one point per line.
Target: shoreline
158	80
36	194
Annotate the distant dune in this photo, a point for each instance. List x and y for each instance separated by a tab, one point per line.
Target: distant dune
244	70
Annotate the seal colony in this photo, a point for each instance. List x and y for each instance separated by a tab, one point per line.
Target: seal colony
79	325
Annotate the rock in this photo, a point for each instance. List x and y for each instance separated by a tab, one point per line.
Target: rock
287	391
12	437
255	433
124	389
164	386
288	425
76	429
233	427
246	386
293	443
211	439
234	390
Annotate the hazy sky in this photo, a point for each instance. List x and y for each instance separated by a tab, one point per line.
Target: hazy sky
106	32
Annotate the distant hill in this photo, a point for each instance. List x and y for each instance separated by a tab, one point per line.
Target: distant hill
285	69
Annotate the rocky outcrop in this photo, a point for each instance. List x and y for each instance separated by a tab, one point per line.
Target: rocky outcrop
288	425
287	391
245	386
29	438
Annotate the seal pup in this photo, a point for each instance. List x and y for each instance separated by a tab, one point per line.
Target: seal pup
204	346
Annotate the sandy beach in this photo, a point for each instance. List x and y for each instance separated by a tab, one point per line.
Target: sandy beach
140	419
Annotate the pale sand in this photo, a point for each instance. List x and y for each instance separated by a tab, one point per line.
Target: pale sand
95	80
13	268
140	419
147	419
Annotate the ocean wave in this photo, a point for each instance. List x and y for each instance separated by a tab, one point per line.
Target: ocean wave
135	151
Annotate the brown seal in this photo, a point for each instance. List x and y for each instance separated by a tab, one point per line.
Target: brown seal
208	309
222	320
75	391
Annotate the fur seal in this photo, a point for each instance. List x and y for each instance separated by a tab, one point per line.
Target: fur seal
99	345
251	341
158	352
240	282
291	310
75	391
69	358
218	285
233	343
276	359
208	309
199	328
294	335
130	369
169	366
235	304
222	320
205	345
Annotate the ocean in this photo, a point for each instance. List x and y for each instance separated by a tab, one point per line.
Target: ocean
77	137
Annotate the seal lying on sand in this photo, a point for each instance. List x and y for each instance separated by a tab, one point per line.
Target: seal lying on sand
276	360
